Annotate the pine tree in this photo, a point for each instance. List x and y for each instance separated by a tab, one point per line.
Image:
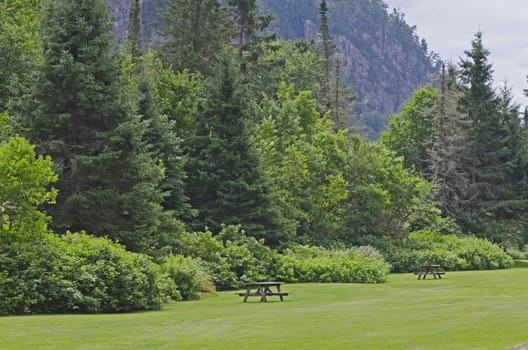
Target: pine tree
226	184
195	31
81	112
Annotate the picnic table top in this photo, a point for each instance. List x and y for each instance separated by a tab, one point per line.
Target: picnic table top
264	283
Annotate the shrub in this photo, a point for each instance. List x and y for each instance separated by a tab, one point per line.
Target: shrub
189	275
315	264
77	273
451	251
231	258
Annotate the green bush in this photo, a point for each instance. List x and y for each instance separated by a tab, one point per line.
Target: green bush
315	264
77	273
452	252
231	258
189	275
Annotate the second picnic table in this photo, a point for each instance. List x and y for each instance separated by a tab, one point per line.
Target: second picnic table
263	290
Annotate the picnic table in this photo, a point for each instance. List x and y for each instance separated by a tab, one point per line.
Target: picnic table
433	270
263	290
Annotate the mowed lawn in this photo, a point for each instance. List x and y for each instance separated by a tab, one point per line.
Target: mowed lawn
464	310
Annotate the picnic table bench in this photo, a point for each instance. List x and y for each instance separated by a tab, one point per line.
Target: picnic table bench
433	270
263	290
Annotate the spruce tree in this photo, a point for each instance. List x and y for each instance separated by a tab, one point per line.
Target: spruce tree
82	112
487	200
335	94
194	32
225	181
248	23
134	42
328	50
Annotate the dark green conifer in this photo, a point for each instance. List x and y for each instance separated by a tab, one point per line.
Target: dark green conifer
225	181
82	112
195	31
490	163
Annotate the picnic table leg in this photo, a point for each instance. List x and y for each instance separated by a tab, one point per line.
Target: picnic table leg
262	292
279	290
246	295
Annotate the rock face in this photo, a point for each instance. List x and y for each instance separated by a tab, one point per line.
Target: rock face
384	60
119	11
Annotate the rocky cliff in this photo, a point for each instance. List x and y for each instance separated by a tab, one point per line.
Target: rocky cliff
384	60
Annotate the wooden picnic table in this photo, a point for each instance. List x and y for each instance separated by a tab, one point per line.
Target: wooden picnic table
263	290
433	270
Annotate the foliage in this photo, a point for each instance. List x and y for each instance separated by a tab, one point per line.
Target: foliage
226	184
81	111
19	44
295	63
452	252
319	265
385	198
233	258
195	31
304	157
77	273
493	158
24	186
188	274
162	139
409	131
335	187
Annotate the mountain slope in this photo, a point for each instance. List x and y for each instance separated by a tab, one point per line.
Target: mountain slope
384	60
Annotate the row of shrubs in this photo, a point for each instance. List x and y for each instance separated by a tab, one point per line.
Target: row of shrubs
77	273
452	252
232	258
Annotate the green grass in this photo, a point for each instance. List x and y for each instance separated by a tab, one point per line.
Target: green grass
464	310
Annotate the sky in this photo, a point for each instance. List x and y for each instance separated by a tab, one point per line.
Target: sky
448	26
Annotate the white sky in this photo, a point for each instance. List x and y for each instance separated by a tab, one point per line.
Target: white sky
448	27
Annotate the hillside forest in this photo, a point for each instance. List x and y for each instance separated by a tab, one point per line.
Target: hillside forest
225	154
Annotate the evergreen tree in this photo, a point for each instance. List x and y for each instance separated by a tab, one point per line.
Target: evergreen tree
225	181
247	21
328	50
82	112
195	31
487	200
134	43
161	134
449	143
335	94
